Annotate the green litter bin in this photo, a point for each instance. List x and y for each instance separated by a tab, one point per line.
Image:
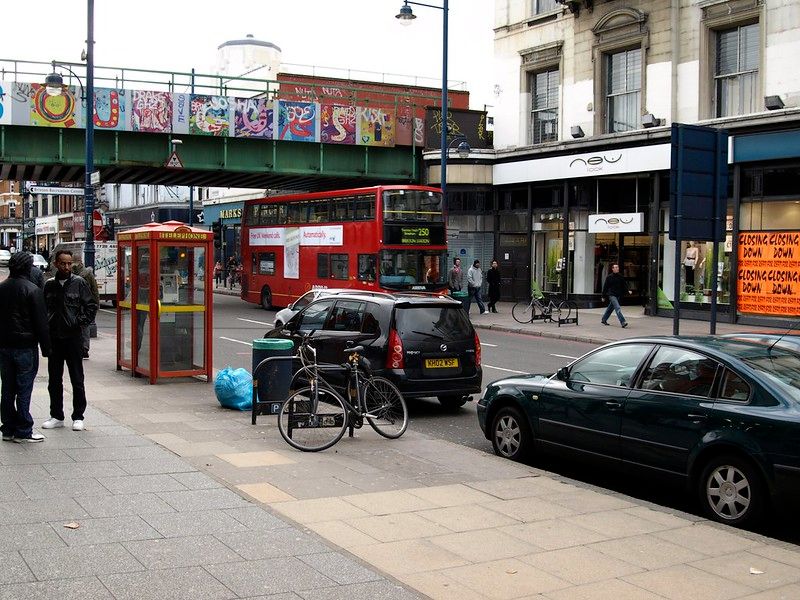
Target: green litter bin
460	295
273	379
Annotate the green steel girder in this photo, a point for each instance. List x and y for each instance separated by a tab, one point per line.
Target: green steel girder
55	154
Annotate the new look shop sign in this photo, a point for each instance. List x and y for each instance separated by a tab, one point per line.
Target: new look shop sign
592	164
616	222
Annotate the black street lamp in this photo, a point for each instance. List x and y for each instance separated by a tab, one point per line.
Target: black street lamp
54	86
406	15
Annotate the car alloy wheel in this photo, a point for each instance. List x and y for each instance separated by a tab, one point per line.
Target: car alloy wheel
511	435
731	491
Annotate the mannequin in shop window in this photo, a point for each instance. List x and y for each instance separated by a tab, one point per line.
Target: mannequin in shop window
690	263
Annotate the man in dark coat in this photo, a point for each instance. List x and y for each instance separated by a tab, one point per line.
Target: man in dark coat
614	288
70	306
22	328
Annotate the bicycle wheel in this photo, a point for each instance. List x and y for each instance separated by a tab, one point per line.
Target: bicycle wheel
386	409
523	312
311	423
565	310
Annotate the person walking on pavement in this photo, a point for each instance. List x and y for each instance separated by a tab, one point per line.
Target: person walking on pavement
231	271
70	306
614	288
493	279
474	284
218	273
22	328
455	280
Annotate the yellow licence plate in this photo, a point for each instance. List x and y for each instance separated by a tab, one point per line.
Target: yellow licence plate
441	363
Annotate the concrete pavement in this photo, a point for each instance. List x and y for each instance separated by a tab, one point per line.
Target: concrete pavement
175	497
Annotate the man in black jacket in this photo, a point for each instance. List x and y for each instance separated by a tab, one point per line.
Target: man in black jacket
614	288
22	328
70	306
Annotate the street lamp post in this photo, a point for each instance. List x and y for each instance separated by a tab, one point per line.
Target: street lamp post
406	15
55	86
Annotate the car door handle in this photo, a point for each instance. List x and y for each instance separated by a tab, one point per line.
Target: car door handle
613	404
696	417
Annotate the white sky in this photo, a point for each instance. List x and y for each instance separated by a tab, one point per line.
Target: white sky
177	35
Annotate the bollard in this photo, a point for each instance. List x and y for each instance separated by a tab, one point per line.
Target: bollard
271	382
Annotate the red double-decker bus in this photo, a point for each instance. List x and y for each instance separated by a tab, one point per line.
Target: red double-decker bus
384	238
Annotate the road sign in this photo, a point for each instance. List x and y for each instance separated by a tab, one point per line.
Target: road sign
698	183
95	178
56	191
97	223
174	162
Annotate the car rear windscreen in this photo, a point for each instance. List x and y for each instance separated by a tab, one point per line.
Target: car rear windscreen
448	323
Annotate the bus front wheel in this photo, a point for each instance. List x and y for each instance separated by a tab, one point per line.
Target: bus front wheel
266	298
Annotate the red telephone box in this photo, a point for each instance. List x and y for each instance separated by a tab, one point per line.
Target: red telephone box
164	300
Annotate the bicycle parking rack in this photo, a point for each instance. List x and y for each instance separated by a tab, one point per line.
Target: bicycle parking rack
572	307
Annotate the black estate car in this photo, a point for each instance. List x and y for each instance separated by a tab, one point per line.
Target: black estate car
720	413
425	345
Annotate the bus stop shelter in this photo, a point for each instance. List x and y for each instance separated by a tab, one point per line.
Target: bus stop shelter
164	300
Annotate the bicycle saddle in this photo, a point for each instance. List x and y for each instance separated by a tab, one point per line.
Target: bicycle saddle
351	349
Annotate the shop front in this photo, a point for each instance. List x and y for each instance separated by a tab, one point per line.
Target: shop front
230	215
46	230
758	266
570	218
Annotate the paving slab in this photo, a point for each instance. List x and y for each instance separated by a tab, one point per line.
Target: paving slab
80	561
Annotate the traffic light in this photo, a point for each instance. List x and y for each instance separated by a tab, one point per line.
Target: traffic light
216	229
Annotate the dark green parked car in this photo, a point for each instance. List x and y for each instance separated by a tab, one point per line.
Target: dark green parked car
720	413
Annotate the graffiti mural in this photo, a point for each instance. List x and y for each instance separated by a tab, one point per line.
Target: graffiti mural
151	111
109	108
375	127
419	132
404	131
335	120
253	117
181	104
5	102
208	115
298	121
53	111
337	124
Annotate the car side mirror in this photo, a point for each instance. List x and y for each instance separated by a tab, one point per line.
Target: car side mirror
563	374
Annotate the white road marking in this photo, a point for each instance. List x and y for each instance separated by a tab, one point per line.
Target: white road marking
252	321
502	369
488	345
237	341
564	356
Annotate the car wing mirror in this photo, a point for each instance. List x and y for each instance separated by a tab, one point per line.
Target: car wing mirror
563	374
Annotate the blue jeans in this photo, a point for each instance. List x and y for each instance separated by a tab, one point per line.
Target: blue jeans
613	304
476	292
18	368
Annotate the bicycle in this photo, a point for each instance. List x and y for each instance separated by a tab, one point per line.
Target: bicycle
316	416
530	311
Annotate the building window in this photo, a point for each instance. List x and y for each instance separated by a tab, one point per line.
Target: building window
544	106
736	70
539	7
623	90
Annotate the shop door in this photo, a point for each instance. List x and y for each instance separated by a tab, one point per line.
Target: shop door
515	269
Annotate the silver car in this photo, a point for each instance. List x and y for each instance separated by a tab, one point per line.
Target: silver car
39	261
5	256
282	316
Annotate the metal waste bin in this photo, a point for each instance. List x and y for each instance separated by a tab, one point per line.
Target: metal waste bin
271	382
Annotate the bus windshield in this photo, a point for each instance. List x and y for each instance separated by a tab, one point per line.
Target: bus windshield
412	205
412	269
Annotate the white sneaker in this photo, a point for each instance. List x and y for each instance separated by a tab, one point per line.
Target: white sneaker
77	425
52	423
35	437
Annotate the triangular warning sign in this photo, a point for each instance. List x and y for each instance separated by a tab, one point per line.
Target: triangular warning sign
174	162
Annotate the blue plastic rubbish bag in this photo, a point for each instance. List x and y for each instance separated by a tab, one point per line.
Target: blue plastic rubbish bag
234	388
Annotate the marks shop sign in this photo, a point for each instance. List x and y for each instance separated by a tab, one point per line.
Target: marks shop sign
593	164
